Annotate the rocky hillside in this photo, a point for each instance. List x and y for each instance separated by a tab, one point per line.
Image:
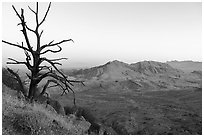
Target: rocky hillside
146	75
110	70
153	67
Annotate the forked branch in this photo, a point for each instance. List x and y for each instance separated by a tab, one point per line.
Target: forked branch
23	24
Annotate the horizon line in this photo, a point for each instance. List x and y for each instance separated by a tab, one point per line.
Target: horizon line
65	66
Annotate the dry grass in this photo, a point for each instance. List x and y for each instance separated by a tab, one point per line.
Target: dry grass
20	118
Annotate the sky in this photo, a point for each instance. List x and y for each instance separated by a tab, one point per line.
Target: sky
106	31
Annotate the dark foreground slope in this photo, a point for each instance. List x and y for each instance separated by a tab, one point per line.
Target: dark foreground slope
142	98
177	112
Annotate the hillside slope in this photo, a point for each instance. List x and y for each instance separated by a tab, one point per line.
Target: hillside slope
110	70
146	75
153	67
20	118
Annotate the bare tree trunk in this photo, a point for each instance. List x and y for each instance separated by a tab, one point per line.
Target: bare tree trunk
38	70
31	90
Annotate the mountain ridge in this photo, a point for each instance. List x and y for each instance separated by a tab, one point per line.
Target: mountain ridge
187	66
143	75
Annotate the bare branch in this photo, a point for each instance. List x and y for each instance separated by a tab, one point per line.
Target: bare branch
22	15
15	61
52	64
51	42
36	16
29	28
28	59
24	27
16	45
53	51
37	7
57	82
54	44
45	14
53	81
77	81
63	79
16	12
58	59
31	9
41	33
50	73
19	62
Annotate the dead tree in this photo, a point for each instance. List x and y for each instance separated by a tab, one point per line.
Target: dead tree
35	58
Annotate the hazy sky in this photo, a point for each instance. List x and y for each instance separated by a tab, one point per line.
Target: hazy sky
102	32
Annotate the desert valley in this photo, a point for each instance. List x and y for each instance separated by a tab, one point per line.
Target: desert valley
141	98
102	68
146	97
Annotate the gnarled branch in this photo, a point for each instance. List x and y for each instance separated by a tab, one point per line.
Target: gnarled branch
54	44
53	51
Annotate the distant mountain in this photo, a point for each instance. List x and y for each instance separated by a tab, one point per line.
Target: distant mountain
110	70
153	67
145	75
120	70
186	66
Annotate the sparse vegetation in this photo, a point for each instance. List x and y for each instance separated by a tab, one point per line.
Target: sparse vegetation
28	113
176	112
20	118
148	97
